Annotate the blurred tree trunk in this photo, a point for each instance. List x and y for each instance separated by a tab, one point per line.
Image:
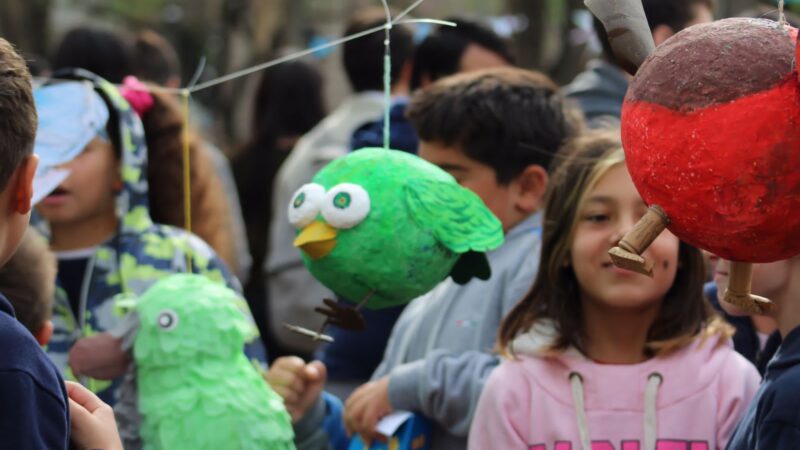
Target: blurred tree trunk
545	44
249	30
25	23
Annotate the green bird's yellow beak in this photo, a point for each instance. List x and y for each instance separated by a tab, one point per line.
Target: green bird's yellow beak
316	240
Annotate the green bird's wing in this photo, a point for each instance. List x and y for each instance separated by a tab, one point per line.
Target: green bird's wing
455	215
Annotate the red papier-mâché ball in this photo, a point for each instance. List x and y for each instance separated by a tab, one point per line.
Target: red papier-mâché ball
711	131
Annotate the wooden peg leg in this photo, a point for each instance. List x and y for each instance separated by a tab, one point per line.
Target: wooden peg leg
738	292
628	252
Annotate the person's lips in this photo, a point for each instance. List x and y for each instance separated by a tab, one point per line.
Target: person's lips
56	197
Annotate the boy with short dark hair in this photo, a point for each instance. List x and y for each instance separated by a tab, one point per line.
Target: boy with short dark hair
28	281
496	132
33	405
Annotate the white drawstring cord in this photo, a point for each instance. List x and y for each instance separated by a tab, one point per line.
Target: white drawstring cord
580	411
650	422
650	395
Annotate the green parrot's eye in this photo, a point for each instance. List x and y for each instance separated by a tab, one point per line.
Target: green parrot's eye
346	205
167	320
342	200
305	205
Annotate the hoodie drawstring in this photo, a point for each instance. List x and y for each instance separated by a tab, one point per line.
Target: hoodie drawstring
650	393
650	424
580	411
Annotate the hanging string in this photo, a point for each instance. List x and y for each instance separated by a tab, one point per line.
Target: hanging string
192	87
187	173
781	14
387	75
411	8
300	54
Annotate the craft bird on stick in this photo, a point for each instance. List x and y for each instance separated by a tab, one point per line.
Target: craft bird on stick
711	130
197	390
382	227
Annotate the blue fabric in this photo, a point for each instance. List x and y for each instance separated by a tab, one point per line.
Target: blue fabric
33	399
772	421
354	355
745	340
333	423
401	134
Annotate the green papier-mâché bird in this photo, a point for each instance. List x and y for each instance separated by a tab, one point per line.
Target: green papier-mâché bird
382	227
197	390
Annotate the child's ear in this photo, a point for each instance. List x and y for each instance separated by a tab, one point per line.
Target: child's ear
45	333
23	188
531	185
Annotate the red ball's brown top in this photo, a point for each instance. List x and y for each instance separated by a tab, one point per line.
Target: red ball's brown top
711	130
714	63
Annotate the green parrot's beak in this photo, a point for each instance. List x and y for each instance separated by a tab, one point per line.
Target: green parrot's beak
316	240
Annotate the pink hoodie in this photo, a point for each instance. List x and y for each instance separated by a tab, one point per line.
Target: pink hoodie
689	400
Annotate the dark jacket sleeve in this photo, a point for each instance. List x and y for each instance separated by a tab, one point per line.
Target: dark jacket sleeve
31	416
778	436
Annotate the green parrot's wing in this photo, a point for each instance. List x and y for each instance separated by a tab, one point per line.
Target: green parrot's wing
456	216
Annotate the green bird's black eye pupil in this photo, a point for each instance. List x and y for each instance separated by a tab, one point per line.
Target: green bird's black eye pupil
167	320
299	200
342	200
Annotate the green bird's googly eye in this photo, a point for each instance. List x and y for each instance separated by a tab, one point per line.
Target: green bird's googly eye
299	200
342	200
167	320
305	205
346	205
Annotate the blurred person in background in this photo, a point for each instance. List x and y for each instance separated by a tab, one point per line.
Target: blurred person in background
288	103
600	89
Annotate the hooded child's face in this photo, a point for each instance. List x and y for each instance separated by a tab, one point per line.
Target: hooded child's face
90	190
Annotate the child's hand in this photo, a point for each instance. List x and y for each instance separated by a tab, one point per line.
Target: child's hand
365	407
99	356
299	384
91	421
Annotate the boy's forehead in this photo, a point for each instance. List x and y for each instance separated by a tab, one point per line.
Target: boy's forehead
446	156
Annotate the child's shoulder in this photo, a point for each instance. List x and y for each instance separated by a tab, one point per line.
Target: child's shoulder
21	354
783	372
779	399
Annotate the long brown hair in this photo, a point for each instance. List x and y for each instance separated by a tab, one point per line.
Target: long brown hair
555	295
163	125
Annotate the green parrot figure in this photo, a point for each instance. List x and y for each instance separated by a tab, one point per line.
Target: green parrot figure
382	227
197	390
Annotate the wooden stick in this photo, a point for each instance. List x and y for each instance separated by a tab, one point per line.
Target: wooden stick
627	254
739	292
